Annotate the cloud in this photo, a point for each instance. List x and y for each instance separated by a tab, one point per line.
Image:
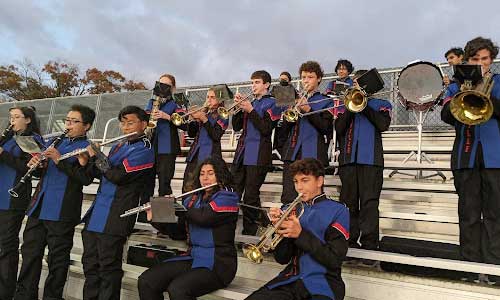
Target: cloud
205	42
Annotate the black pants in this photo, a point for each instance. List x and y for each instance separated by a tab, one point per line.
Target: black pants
361	186
479	213
165	169
247	181
291	291
289	193
102	265
11	221
58	236
179	280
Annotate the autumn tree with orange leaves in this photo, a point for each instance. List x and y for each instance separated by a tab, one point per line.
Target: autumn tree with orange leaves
26	81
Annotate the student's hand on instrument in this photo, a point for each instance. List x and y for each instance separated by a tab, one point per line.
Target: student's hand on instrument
198	115
53	154
246	106
290	228
161	115
83	159
302	105
90	151
35	160
274	214
238	98
149	214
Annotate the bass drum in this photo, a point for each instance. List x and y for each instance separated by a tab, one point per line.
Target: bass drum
420	86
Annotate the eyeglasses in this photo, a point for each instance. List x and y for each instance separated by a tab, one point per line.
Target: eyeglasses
71	121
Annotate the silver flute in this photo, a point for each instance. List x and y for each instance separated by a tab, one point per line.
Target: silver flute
147	206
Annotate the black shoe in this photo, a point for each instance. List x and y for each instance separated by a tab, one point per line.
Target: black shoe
369	263
471	277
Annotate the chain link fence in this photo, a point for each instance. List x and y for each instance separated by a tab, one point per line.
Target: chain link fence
51	111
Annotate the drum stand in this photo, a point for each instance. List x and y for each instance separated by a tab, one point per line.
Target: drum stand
419	154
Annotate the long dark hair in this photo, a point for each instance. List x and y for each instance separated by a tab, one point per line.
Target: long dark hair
222	174
29	112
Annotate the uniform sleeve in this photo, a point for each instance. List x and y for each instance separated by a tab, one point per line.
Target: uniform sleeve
343	121
322	122
495	97
222	209
75	171
17	163
285	251
237	121
446	115
381	117
329	87
216	131
133	168
192	129
263	124
332	252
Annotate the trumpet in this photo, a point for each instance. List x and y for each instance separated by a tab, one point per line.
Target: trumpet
269	240
473	105
85	150
157	102
178	119
234	109
147	206
14	190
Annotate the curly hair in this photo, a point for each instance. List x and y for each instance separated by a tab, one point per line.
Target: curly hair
222	174
313	67
307	166
347	64
480	43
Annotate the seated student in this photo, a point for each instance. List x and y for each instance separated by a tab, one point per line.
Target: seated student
313	246
211	260
343	69
121	182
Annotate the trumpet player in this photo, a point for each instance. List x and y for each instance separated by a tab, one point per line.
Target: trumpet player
211	260
253	158
13	160
361	162
313	246
475	165
207	130
309	136
55	209
121	180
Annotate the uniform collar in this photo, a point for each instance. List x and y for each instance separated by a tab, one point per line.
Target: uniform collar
78	138
137	139
317	198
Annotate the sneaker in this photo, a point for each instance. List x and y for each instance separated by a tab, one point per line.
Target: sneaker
472	277
369	263
491	279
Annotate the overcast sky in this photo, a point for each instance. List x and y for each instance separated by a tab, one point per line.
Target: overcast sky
203	42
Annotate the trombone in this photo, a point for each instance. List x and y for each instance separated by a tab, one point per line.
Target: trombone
268	241
234	109
147	206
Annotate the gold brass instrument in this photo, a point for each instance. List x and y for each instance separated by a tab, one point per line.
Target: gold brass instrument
147	206
355	99
293	114
157	102
269	240
473	105
234	109
178	119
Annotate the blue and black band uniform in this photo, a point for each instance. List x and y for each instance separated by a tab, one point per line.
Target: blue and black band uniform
167	146
211	260
52	216
309	137
207	142
314	259
13	165
476	169
361	162
105	232
253	156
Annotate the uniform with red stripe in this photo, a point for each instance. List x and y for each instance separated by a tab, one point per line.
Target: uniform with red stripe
120	187
315	257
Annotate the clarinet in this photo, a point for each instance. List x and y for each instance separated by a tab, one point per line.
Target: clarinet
6	134
14	192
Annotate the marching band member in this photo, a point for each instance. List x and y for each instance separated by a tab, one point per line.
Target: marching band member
211	260
253	158
13	165
361	162
207	130
313	246
166	139
279	135
121	181
343	69
454	56
308	137
475	164
55	210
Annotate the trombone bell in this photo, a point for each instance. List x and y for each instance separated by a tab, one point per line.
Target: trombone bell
176	119
355	100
